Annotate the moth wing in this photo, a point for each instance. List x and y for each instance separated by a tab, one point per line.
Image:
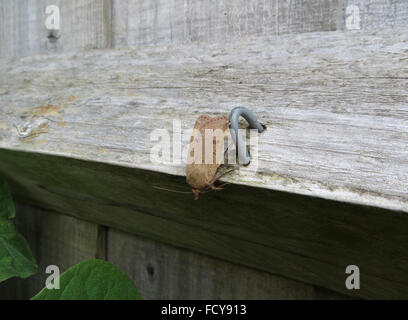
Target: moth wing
201	121
221	124
200	175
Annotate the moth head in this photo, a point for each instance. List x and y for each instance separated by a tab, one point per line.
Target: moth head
196	193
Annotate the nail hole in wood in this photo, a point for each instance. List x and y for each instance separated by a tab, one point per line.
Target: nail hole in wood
150	270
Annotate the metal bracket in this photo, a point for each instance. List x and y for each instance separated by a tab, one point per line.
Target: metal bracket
244	156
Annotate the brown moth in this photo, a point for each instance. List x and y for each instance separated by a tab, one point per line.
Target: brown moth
206	152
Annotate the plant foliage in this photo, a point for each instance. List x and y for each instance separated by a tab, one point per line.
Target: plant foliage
92	280
16	258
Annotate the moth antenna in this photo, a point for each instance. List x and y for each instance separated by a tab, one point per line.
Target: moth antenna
174	191
223	184
223	174
227	148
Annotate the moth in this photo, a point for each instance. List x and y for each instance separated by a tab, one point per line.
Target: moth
206	152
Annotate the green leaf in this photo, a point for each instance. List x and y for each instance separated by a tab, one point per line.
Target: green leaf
16	258
92	280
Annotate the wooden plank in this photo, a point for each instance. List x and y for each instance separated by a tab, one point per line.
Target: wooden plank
122	23
140	22
376	14
303	238
164	272
336	115
85	24
55	239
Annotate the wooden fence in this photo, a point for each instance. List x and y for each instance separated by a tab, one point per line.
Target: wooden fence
327	78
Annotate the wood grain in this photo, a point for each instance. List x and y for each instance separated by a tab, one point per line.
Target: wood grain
303	238
141	22
160	271
334	105
164	272
55	239
377	14
127	23
85	24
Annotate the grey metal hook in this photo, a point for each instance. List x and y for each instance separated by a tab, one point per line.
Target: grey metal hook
243	153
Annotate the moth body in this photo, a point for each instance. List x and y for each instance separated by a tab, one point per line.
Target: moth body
205	156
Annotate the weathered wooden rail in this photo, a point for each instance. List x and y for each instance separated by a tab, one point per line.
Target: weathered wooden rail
331	185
